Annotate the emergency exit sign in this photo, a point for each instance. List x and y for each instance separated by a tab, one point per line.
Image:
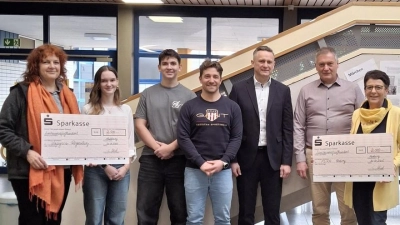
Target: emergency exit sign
11	42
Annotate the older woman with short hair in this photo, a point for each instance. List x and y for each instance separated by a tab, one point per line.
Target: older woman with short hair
371	200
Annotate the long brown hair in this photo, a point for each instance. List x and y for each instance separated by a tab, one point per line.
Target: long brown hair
95	94
36	56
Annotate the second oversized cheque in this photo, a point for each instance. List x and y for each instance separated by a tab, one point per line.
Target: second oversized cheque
353	157
72	139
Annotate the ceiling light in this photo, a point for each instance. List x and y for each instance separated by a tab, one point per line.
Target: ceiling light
166	19
100	36
144	1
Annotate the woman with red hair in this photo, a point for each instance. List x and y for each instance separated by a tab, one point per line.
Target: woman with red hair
41	189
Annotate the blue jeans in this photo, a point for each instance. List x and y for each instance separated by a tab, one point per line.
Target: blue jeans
155	175
102	195
198	185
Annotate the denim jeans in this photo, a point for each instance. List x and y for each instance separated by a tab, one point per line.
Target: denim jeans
102	195
198	185
155	175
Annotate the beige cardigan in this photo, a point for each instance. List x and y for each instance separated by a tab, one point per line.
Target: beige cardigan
385	195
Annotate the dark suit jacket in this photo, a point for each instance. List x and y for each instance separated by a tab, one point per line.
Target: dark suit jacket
279	123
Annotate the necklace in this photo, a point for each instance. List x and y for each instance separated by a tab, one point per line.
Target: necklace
108	109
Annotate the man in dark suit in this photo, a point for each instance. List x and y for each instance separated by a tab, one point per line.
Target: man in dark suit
265	154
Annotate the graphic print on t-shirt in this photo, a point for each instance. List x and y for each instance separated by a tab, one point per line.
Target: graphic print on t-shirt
176	104
212	114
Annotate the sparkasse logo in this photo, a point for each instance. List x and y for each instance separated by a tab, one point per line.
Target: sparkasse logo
48	121
318	142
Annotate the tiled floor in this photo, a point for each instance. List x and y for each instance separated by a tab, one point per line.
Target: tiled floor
295	218
302	215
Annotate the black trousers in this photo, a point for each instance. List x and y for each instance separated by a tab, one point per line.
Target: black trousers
364	205
155	176
271	191
31	212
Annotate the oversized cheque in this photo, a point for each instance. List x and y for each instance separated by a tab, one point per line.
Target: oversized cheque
353	157
69	139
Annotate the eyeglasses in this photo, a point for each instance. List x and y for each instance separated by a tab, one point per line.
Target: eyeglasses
377	88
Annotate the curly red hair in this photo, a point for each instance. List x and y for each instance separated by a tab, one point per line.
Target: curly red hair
37	55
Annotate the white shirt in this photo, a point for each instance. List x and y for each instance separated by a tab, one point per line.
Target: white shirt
123	110
262	94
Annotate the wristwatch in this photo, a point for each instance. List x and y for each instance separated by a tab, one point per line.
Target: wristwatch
225	165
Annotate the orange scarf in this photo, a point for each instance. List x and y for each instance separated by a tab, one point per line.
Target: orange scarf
48	185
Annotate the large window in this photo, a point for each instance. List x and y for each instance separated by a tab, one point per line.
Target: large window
203	34
10	72
84	32
230	35
186	33
149	74
20	31
81	76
